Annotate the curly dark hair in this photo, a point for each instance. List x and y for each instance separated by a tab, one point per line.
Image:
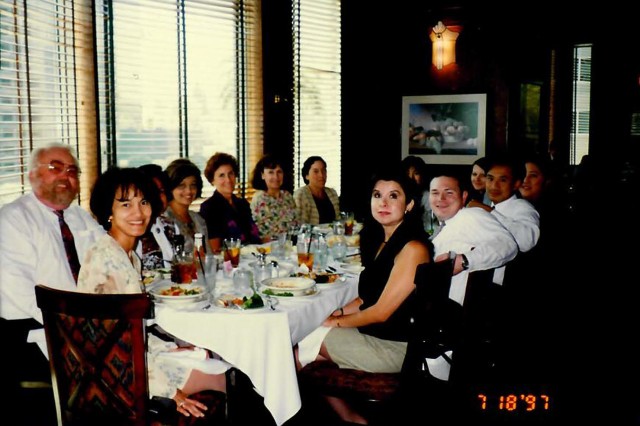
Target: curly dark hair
307	166
115	178
177	171
266	162
220	159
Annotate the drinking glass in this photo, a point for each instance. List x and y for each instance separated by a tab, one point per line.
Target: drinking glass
182	269
210	271
243	280
232	251
278	245
348	219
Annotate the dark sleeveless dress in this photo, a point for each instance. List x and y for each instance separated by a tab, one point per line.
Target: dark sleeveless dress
376	274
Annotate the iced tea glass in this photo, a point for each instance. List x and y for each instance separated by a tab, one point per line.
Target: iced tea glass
232	251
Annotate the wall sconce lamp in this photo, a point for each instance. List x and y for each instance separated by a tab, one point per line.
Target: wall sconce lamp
443	45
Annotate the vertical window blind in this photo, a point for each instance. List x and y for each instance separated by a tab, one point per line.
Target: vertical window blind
579	137
180	78
317	81
42	82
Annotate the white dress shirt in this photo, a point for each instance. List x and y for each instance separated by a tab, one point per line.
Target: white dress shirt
521	219
481	238
32	252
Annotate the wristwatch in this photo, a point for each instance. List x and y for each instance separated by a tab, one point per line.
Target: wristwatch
465	262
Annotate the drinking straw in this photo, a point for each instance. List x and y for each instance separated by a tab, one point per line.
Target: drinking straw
201	264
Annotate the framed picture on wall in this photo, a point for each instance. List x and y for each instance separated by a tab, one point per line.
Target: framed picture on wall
444	129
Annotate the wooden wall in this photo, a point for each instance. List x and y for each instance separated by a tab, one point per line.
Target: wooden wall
387	55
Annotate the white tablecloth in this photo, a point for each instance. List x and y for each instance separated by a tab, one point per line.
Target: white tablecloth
260	342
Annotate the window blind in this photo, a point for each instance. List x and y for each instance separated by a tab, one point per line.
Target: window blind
43	80
579	136
317	81
182	78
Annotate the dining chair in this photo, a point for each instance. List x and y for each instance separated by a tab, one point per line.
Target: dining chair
381	396
467	336
97	354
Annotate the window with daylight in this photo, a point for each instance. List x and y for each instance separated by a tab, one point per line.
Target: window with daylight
179	78
43	77
579	138
317	80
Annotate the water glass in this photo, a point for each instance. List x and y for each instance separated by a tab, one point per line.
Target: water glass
210	271
243	280
278	245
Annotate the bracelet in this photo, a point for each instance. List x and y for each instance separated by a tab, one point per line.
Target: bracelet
341	311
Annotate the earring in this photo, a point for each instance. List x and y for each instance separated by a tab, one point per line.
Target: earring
110	219
406	211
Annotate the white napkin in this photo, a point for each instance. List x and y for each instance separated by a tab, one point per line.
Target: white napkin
439	367
309	347
196	359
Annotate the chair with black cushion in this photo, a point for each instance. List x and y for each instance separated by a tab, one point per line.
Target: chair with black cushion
467	336
381	397
97	355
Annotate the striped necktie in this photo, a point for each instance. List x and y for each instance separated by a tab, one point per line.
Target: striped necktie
69	245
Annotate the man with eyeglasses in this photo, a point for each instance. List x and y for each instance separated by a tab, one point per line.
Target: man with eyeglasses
32	252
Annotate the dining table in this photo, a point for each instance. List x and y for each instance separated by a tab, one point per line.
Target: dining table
259	342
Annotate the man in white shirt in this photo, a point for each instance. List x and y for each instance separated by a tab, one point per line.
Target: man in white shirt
32	250
478	239
504	177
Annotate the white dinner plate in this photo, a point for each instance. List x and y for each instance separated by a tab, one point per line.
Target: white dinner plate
157	291
284	295
354	268
296	285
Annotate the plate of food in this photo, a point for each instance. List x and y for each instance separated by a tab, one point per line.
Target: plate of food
324	277
241	303
313	291
289	286
178	293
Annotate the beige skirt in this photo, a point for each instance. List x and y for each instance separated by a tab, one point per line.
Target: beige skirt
349	348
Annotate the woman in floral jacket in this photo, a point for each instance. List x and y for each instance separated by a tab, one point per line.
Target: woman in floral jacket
273	208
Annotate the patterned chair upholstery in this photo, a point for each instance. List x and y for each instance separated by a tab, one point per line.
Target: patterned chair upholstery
97	355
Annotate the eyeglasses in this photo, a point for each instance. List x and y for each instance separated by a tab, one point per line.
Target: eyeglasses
58	167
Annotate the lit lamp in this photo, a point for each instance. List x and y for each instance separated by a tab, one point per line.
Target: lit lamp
444	45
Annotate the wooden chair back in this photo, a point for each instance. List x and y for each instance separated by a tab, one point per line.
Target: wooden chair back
97	353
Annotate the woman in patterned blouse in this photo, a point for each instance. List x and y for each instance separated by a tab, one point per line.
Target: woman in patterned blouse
273	208
185	187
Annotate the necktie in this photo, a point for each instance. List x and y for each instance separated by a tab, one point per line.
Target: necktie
69	245
438	229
